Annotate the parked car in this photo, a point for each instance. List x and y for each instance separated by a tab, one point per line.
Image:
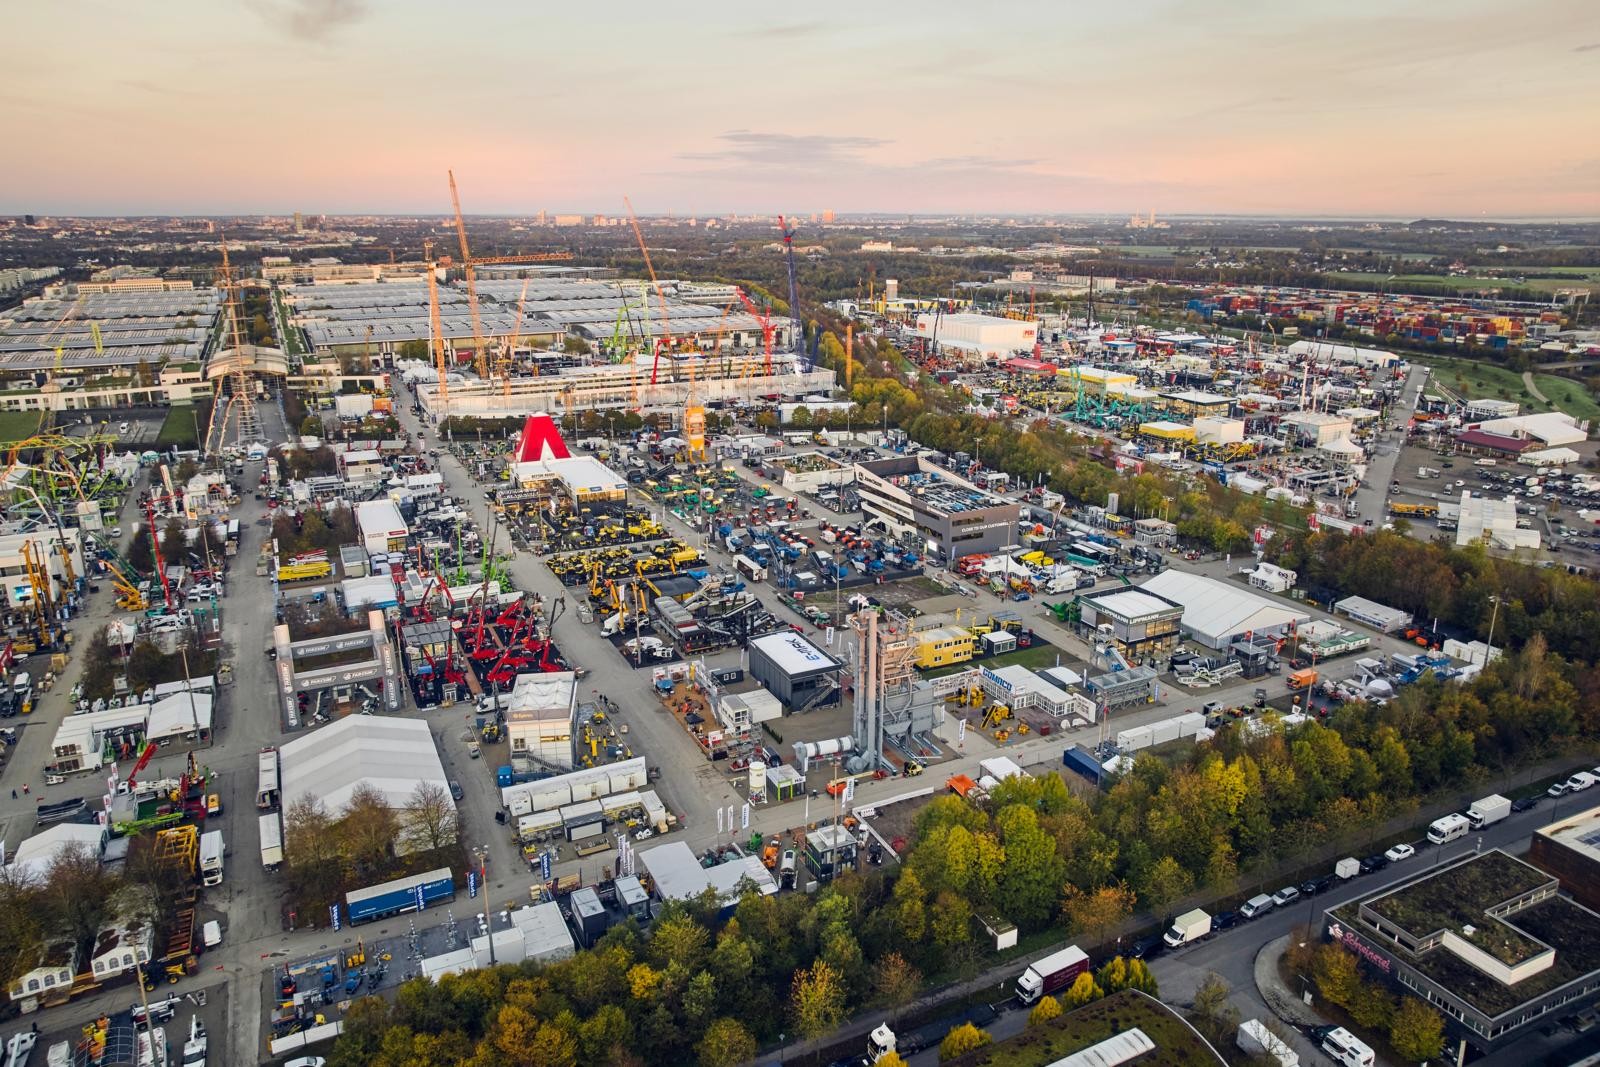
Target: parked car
1399	852
1146	947
1312	886
1224	920
1285	896
455	791
1375	862
1525	803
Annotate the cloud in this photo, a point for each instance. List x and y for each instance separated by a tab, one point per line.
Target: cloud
1588	47
806	151
311	20
785	32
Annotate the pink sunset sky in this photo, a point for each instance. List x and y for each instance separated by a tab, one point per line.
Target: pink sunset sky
1401	108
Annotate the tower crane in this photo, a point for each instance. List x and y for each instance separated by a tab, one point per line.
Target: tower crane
661	296
767	328
436	335
508	344
469	266
799	339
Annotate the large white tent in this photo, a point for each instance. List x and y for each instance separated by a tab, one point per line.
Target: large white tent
391	755
1216	612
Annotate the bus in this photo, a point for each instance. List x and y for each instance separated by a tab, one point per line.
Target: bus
267	787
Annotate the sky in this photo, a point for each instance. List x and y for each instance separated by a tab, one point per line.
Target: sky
1405	108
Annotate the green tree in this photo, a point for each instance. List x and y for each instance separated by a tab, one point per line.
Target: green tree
1083	990
417	349
1371	1005
1048	1008
952	920
311	426
1030	873
140	553
1417	1030
817	999
725	1044
1140	978
910	912
962	1040
1113	975
1165	882
1333	968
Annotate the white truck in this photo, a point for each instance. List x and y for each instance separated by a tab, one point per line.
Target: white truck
1190	926
1488	811
211	853
1256	1040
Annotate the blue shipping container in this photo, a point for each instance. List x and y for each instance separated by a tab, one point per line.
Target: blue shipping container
1082	762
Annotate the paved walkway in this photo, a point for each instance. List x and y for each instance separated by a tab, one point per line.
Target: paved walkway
1527	382
1286	1003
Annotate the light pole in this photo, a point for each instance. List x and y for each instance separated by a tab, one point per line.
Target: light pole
1494	598
483	887
885	436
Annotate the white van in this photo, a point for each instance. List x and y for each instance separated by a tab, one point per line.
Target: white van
1449	828
1347	1049
1256	906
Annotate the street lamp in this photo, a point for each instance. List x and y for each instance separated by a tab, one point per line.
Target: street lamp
885	436
1494	598
483	887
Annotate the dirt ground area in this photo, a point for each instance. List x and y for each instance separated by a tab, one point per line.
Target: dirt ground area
898	595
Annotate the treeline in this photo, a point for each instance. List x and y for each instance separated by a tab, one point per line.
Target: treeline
1212	820
1450	584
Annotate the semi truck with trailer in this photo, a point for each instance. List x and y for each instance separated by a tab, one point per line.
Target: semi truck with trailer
1052	974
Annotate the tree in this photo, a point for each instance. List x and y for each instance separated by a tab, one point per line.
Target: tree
1333	968
889	1059
413	350
368	830
952	920
1083	990
725	1044
310	426
22	933
140	553
894	981
817	999
1096	911
311	851
1113	975
1048	1008
910	914
1417	1030
78	893
429	822
962	1040
1371	1005
679	941
1140	978
1031	872
1166	881
1214	1014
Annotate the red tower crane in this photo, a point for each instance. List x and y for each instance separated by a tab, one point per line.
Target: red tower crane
767	329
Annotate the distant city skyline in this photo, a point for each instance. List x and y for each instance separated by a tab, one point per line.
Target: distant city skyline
1366	109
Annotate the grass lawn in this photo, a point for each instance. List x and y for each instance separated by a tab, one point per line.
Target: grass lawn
1487	381
18	425
1568	395
1176	1044
179	427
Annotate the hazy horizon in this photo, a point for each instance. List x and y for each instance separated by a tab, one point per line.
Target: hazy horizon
1372	110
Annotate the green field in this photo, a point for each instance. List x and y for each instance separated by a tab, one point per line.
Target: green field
1479	381
18	425
1040	655
1568	396
179	428
1576	278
